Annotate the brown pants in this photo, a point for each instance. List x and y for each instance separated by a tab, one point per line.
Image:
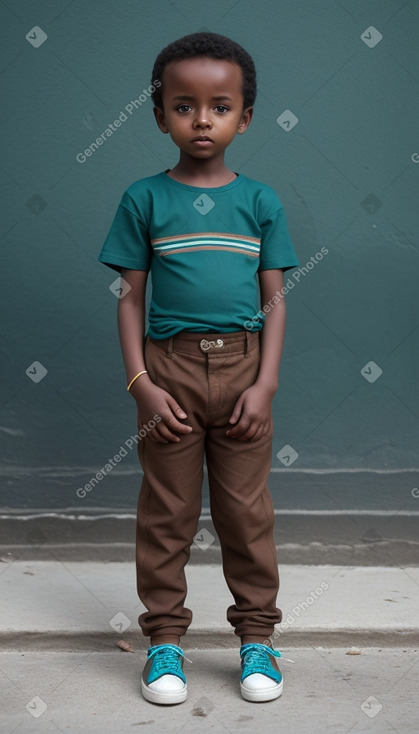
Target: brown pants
206	382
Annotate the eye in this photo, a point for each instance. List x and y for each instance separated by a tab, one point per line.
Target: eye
221	108
182	108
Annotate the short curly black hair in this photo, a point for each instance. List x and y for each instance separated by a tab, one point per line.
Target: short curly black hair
206	44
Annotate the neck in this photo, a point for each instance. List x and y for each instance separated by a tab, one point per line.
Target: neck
200	171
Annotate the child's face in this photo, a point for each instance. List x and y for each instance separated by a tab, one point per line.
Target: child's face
203	97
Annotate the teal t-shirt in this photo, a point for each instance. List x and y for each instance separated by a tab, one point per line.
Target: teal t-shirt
203	247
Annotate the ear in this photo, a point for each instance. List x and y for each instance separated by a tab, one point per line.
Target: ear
160	119
245	120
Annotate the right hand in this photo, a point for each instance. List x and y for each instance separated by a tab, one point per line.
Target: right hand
153	400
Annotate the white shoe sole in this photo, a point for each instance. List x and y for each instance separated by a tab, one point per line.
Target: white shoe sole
161	696
265	694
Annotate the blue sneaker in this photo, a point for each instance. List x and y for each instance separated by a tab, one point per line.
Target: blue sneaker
260	681
163	679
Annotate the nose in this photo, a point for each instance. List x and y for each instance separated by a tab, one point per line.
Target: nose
202	118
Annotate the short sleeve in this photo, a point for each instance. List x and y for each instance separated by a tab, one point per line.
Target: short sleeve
276	248
127	244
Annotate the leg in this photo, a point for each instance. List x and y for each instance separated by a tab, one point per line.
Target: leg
167	519
168	512
242	507
243	516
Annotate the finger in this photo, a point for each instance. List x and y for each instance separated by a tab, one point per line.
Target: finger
170	428
251	430
236	412
259	434
175	408
165	432
239	429
155	436
175	426
249	434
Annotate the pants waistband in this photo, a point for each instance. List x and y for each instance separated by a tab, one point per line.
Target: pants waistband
188	342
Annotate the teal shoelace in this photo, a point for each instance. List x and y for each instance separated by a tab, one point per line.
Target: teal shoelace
255	658
166	658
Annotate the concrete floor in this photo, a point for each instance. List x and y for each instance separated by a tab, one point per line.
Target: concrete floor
61	669
325	690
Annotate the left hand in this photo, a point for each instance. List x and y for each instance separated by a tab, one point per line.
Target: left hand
251	414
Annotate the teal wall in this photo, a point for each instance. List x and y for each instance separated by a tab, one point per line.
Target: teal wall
347	174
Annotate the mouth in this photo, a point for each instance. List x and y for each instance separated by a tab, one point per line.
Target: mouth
202	139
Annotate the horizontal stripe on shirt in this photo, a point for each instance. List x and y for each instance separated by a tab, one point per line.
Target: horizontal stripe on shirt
207	241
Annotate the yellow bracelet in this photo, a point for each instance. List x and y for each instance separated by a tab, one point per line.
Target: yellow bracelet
134	378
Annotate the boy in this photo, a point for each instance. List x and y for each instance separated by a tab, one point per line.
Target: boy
205	374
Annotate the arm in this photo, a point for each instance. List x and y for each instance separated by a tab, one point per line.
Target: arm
252	412
151	400
273	332
131	320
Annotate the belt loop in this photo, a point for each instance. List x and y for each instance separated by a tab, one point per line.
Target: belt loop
246	349
169	352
